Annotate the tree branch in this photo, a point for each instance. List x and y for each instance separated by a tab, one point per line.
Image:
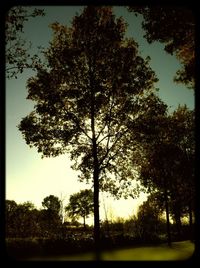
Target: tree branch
78	125
109	117
109	159
119	136
105	138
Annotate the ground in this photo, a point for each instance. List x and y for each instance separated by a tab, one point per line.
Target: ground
179	251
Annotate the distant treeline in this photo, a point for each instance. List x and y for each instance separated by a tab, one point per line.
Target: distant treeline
25	221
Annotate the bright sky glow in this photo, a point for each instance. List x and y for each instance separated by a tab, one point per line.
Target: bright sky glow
30	178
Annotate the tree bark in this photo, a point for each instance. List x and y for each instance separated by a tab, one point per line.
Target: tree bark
96	169
96	196
178	225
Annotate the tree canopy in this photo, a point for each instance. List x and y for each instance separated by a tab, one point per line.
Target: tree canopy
175	27
169	165
81	205
171	155
52	203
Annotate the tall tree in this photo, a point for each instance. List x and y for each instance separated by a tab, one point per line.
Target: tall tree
81	205
168	167
17	50
158	173
175	27
183	120
88	95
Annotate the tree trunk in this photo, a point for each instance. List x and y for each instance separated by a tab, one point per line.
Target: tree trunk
96	214
178	223
167	217
84	221
95	165
190	221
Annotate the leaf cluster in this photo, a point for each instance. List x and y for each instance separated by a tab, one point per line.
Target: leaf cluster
175	27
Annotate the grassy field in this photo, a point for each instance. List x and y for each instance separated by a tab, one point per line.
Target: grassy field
179	251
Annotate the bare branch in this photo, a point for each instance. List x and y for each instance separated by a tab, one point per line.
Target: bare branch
105	138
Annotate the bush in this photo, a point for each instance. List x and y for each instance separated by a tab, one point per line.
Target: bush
20	248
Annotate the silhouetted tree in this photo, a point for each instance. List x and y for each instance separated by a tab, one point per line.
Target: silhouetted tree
81	205
168	168
52	203
10	214
50	216
89	94
183	134
17	48
148	219
21	219
175	27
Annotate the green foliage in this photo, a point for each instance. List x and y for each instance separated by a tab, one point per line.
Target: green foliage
17	48
175	27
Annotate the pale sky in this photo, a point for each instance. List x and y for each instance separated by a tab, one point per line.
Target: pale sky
30	178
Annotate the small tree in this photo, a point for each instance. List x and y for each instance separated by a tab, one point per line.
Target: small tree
81	205
148	220
50	216
51	203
